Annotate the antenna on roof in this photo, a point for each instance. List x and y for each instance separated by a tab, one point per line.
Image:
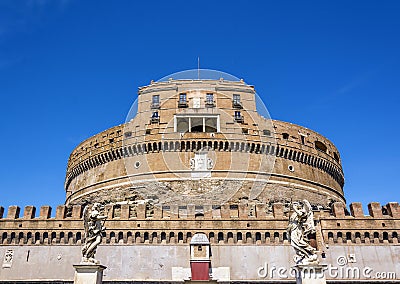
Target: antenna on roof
198	68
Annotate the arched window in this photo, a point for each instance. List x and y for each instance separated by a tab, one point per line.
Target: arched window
220	236
37	236
336	156
180	236
239	236
4	237
385	236
320	146
258	236
21	236
137	235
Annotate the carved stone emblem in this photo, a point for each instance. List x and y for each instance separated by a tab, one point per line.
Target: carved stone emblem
201	165
8	258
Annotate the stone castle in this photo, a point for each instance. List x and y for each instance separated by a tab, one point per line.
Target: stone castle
200	171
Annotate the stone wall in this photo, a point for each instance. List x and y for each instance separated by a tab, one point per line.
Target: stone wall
291	156
160	262
227	224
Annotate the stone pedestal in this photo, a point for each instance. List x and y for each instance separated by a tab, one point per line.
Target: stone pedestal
310	274
88	273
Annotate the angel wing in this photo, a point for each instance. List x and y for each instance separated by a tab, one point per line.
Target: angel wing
307	205
86	217
309	223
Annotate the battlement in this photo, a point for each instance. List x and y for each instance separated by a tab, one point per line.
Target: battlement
226	224
226	211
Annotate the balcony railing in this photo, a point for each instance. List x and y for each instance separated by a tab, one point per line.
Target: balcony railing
155	105
182	103
239	119
237	104
155	120
210	103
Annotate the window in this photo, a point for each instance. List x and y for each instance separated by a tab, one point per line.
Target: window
266	132
197	123
155	102
182	97
336	156
211	124
285	136
182	100
236	98
209	99
182	124
320	146
238	117
155	117
236	101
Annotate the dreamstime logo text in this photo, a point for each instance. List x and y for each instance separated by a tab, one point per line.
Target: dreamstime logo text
341	271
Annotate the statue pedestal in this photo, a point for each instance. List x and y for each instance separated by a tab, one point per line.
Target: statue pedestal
88	273
310	274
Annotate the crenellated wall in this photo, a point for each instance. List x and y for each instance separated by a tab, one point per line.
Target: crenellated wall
227	224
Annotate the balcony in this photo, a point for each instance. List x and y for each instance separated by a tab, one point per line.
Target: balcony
182	103
155	105
237	104
210	103
239	118
155	120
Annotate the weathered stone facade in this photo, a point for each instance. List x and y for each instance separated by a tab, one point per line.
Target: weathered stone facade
287	161
247	168
256	233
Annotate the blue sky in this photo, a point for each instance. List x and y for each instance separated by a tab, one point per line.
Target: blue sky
70	69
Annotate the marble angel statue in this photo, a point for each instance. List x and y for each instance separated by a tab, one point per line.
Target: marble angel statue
94	229
301	224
